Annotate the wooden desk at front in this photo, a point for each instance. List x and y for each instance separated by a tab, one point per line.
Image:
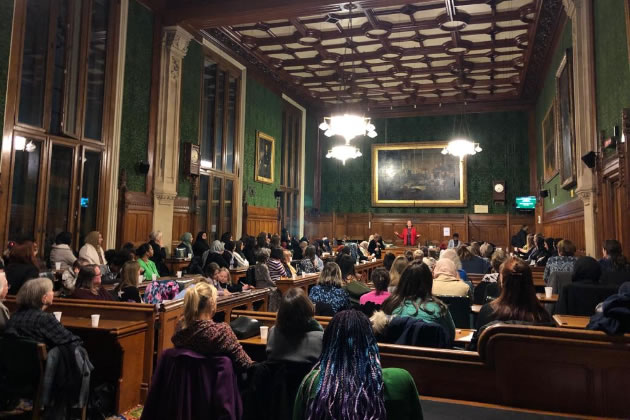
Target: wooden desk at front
114	347
303	282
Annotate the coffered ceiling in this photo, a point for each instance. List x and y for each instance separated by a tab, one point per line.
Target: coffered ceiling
391	55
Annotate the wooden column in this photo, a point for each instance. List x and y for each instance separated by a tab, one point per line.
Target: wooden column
166	159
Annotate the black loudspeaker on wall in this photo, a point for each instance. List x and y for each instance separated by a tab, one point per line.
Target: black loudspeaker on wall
589	159
143	167
544	193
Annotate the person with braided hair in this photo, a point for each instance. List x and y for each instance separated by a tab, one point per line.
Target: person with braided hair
348	383
517	301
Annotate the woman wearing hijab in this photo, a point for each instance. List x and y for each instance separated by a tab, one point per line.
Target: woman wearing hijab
216	255
92	250
201	244
446	281
186	244
363	247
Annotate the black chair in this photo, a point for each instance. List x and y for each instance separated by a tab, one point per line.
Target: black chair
271	390
324	309
581	298
459	307
22	366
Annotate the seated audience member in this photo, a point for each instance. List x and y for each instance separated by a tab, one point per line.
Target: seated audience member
539	255
88	285
274	263
32	322
343	250
615	266
414	298
249	248
363	248
263	278
399	265
201	244
550	247
380	279
22	266
613	315
409	255
223	279
446	281
353	286
186	244
4	311
300	250
127	290
388	260
296	336
563	262
159	253
198	332
376	245
236	260
418	254
144	254
472	264
451	254
61	251
518	301
525	251
498	257
226	236
286	262
430	262
92	250
69	276
236	285
262	240
355	253
486	250
215	255
329	289
475	249
311	263
454	242
348	381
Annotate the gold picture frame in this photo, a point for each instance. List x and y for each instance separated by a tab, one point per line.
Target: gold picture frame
565	122
550	144
265	158
417	175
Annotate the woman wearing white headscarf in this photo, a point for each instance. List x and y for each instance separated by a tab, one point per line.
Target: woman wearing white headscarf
215	255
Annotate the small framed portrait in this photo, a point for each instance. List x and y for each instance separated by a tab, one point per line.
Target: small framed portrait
265	154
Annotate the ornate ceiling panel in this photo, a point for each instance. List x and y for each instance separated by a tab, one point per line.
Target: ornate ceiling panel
407	55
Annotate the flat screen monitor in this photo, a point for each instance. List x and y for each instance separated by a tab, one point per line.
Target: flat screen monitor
526	203
84	202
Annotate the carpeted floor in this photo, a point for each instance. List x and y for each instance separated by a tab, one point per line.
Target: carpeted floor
434	410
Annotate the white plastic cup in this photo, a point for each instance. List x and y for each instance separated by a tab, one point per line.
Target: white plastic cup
57	266
179	274
548	291
190	256
57	315
154	277
95	319
264	331
303	274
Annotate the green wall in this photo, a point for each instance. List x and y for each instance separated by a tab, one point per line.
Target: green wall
189	108
134	132
502	135
557	195
263	112
310	148
611	63
6	23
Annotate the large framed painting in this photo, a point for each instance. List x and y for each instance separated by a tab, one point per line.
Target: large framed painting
265	154
566	126
550	144
417	175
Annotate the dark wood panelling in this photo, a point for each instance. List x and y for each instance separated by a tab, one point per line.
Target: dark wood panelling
259	219
566	222
135	218
357	226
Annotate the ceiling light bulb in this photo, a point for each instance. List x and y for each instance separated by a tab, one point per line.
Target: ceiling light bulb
323	126
372	134
329	133
370	127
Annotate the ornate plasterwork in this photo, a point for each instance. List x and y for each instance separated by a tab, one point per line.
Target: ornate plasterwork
176	40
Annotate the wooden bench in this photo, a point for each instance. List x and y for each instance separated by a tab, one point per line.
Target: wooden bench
560	370
303	282
537	277
364	270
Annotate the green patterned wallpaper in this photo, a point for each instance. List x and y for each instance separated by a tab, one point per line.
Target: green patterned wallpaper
6	23
134	131
189	108
612	66
263	112
557	195
309	153
502	135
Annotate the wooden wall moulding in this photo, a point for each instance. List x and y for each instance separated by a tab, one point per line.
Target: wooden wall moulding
496	228
566	222
397	57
